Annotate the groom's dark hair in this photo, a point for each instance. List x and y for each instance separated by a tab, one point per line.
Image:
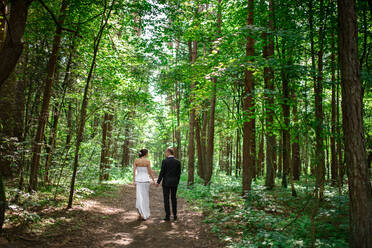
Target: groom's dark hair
170	150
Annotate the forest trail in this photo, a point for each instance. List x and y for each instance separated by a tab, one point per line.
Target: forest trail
112	221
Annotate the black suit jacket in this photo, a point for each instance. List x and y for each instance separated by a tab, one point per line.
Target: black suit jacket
170	172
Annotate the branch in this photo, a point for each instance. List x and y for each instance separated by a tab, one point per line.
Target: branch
54	18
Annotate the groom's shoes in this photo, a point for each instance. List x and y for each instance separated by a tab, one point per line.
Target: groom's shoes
166	219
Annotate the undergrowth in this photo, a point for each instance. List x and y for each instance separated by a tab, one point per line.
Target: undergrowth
269	218
27	211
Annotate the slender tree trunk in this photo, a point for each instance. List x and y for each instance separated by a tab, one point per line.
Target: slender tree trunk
51	143
125	153
84	105
296	160
319	115
191	146
104	147
261	154
249	141
280	156
37	145
334	163
69	125
340	164
285	131
57	111
360	190
199	149
178	131
210	138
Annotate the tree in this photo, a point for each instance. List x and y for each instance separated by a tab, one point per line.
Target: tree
249	139
80	131
268	53
360	190
13	45
37	146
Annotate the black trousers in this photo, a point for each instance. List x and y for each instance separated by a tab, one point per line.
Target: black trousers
173	192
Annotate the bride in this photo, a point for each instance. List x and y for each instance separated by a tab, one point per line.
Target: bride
141	178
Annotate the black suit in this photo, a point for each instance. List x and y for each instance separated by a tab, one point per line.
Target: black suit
170	175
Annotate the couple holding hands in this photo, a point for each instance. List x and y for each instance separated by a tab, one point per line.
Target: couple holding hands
170	176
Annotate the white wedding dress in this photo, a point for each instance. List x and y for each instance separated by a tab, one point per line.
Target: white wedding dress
142	191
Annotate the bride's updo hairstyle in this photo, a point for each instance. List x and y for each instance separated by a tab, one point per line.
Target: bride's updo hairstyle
143	152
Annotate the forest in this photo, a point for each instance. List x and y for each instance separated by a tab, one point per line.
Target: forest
267	104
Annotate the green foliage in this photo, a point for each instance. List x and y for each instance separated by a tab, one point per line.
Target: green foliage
268	218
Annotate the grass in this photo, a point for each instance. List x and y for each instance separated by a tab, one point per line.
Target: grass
269	218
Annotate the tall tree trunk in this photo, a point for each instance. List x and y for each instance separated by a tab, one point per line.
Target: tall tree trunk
340	164
285	131
334	168
84	105
69	125
199	149
191	146
319	115
106	145
103	146
13	45
106	174
125	153
280	157
261	154
360	190
296	160
37	145
178	131
210	138
249	141
57	111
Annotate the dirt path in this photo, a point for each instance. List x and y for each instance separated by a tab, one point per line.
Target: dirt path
111	221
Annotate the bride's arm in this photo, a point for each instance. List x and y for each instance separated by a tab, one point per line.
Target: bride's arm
150	172
134	172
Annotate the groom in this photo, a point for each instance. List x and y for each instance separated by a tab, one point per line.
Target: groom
170	174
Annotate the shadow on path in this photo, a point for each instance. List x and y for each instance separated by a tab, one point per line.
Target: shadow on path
112	222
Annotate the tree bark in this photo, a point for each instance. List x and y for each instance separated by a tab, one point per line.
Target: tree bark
191	146
106	146
296	160
210	138
201	162
360	190
249	141
178	131
13	45
334	169
319	115
285	131
37	144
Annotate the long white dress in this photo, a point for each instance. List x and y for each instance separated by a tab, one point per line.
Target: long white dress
142	191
